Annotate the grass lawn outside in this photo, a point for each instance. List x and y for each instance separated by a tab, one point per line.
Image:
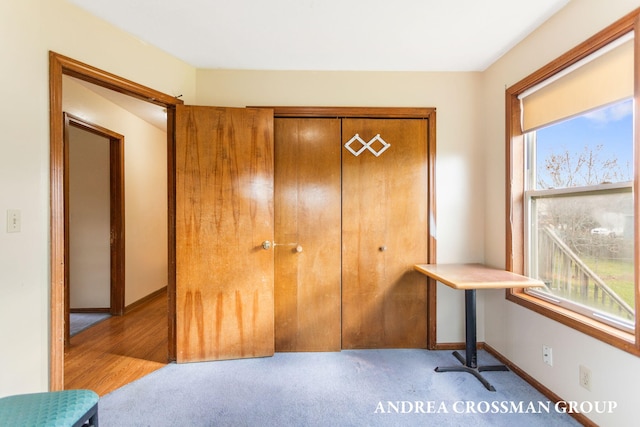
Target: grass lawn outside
617	274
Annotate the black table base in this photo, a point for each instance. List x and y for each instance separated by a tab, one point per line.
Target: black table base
473	371
470	362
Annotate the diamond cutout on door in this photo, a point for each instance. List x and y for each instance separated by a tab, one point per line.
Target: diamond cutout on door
367	145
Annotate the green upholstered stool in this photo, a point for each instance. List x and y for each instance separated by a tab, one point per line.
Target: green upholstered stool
67	408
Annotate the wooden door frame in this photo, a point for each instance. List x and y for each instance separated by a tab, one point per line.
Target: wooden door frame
428	114
60	65
116	215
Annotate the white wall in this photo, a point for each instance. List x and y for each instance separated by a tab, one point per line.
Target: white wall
28	30
459	174
516	332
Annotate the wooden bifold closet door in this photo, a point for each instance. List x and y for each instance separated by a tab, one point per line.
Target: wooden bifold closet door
357	214
384	233
307	234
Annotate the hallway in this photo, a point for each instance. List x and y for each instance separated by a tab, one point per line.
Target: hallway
119	350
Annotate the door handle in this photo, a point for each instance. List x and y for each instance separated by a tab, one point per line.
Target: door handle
298	248
266	245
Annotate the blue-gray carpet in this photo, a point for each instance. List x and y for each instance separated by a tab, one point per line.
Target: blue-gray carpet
348	388
81	321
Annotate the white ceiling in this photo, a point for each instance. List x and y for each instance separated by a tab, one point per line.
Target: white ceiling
365	35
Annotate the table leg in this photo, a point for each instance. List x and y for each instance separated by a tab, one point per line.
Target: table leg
471	341
470	362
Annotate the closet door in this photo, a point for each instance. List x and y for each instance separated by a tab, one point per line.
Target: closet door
384	233
224	213
307	234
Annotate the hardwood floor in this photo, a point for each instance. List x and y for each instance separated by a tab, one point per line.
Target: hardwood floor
118	350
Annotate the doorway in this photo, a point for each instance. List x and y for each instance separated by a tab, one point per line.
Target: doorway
60	66
94	219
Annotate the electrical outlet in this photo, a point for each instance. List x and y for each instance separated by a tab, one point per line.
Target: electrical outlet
585	377
547	355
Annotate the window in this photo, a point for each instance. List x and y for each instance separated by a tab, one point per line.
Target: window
570	202
579	213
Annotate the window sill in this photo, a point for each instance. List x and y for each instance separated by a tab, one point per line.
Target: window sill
610	335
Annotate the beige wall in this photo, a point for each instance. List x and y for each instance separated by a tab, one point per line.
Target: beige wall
516	332
145	180
459	174
28	30
89	220
470	176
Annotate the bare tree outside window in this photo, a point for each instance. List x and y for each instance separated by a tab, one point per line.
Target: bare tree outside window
568	168
582	216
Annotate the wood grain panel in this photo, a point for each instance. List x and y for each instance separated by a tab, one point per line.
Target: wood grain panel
353	112
224	211
307	213
385	220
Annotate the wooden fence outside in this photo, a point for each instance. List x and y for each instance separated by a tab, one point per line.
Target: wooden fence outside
564	272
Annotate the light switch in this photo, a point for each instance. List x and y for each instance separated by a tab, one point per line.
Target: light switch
13	221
